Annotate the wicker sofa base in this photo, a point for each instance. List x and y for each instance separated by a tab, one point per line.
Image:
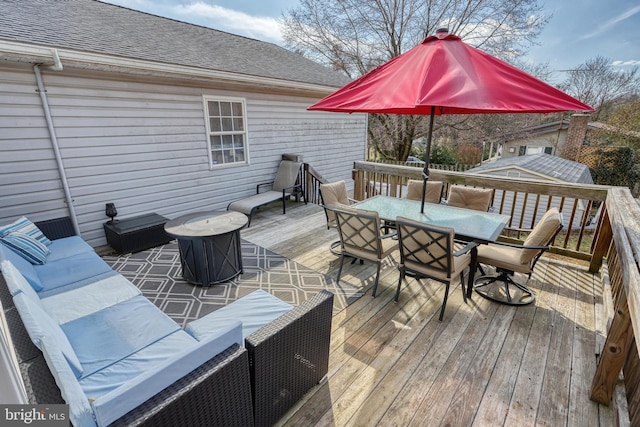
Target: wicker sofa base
217	393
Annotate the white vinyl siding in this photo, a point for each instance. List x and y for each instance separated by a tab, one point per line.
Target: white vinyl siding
142	145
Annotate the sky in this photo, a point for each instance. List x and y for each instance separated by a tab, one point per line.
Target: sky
578	30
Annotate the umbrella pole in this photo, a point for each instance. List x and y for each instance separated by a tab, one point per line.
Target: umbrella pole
425	171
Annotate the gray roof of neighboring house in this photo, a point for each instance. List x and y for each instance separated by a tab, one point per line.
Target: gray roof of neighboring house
92	26
556	126
555	167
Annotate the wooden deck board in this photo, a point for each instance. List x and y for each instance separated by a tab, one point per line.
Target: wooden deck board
526	394
554	397
484	364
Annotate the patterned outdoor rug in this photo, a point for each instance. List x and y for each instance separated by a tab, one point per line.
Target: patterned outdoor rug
158	274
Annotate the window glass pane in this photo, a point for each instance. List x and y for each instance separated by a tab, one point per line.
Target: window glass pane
548	150
225	108
216	142
227	142
238	124
214	108
228	156
240	155
227	125
214	123
237	109
216	157
238	141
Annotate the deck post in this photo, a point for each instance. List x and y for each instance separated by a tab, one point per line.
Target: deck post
602	243
614	354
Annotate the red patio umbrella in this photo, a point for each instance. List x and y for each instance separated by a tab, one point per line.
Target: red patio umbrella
444	75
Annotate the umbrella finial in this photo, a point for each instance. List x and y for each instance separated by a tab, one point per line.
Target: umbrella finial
442	33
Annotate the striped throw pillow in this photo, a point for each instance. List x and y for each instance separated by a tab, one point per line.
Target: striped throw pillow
26	246
25	226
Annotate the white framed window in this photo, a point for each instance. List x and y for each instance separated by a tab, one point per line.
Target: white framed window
226	122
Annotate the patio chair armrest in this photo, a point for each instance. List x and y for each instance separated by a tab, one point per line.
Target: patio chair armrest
289	356
465	249
518	246
263	184
296	187
517	229
388	235
218	392
57	228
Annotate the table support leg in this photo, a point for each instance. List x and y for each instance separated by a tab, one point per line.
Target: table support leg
472	271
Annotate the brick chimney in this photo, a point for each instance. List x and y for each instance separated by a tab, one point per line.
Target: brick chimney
576	135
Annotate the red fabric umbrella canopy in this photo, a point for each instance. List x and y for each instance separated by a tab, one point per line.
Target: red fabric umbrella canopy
453	77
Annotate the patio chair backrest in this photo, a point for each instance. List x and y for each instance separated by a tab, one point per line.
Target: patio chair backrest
360	233
432	193
287	175
334	195
426	248
542	235
478	199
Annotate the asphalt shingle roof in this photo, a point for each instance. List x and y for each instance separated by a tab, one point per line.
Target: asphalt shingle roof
92	26
556	167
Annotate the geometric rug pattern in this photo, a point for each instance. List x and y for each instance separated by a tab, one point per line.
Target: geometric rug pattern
157	273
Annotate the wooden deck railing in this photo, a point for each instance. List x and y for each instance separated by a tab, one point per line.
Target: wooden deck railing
311	180
621	227
525	201
433	166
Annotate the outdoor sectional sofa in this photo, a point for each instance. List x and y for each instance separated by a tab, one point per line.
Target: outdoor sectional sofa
118	359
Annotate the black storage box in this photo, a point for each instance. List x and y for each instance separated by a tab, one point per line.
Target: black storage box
136	233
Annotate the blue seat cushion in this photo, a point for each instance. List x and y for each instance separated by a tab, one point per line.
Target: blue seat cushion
151	370
113	333
24	267
39	325
254	311
16	283
69	270
80	411
67	247
84	300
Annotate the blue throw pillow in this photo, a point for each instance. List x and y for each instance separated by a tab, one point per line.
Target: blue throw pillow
23	225
26	246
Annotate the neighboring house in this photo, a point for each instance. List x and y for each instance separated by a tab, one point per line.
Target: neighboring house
547	138
539	167
575	139
152	114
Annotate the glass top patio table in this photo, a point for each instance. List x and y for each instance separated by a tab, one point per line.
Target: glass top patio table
469	225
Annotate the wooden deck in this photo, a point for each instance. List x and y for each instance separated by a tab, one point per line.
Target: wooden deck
395	364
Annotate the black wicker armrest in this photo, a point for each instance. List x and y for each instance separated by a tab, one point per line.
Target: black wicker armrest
57	228
289	356
217	393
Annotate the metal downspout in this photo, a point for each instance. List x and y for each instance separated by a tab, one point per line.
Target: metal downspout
54	141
